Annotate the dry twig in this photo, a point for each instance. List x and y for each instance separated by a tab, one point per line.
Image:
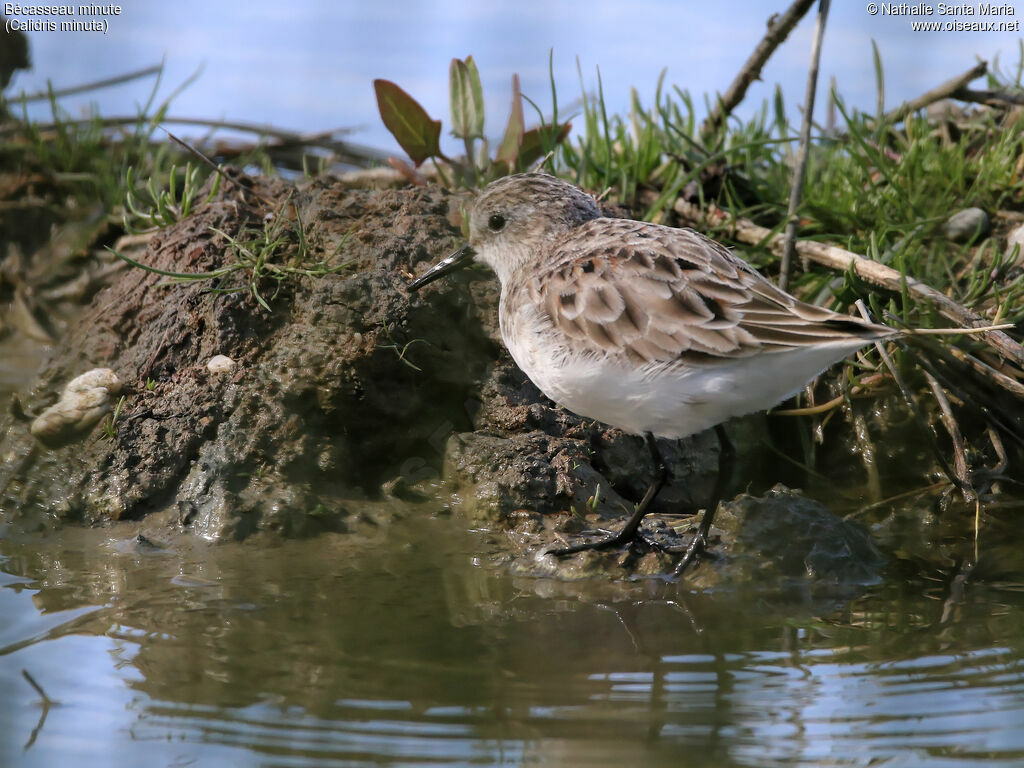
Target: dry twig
779	28
955	435
345	151
85	87
946	90
799	171
926	427
990	98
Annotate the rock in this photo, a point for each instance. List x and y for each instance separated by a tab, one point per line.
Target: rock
83	403
1015	246
220	364
492	482
967	226
785	537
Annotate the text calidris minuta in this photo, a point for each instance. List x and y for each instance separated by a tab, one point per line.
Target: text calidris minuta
655	330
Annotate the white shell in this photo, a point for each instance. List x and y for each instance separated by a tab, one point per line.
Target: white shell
85	400
220	364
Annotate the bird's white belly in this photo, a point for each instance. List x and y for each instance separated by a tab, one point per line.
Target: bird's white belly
669	405
668	401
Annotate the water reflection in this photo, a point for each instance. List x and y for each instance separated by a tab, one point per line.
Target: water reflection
401	651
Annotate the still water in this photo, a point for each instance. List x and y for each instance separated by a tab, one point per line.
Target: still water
406	648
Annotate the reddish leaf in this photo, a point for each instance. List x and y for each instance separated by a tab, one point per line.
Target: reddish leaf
408	122
537	141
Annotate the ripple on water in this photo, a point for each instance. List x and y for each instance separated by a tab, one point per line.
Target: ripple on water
317	653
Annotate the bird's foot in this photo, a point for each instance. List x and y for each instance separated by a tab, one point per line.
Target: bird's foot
697	547
612	541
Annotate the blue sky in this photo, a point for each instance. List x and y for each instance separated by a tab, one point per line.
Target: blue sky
308	64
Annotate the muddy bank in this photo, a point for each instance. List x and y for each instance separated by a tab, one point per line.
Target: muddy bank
353	402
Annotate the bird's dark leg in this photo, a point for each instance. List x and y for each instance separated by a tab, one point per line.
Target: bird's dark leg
631	528
726	458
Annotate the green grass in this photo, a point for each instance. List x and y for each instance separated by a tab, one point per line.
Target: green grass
110	423
145	179
91	157
141	180
260	260
149	208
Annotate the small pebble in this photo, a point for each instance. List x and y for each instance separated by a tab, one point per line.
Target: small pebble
220	364
967	225
1015	239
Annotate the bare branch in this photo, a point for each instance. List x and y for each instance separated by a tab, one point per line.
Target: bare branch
84	87
799	171
990	98
956	436
944	91
779	28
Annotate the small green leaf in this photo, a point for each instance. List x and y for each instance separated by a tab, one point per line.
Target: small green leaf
408	122
509	150
467	99
879	80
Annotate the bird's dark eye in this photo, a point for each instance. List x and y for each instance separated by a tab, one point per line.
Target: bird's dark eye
496	222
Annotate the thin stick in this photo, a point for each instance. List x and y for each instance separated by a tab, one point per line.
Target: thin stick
946	90
47	701
959	449
890	499
266	200
835	402
997	445
988	97
876	273
204	159
544	161
93	86
319	138
779	28
800	170
228	125
914	407
954	331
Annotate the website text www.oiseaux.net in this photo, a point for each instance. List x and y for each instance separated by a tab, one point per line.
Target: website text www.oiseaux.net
947	17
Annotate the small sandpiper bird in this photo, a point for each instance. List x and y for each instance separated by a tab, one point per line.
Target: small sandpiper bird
659	331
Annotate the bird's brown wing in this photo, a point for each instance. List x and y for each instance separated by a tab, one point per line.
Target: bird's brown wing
661	295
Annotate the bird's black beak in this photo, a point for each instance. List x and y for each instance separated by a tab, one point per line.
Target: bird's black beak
458	259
